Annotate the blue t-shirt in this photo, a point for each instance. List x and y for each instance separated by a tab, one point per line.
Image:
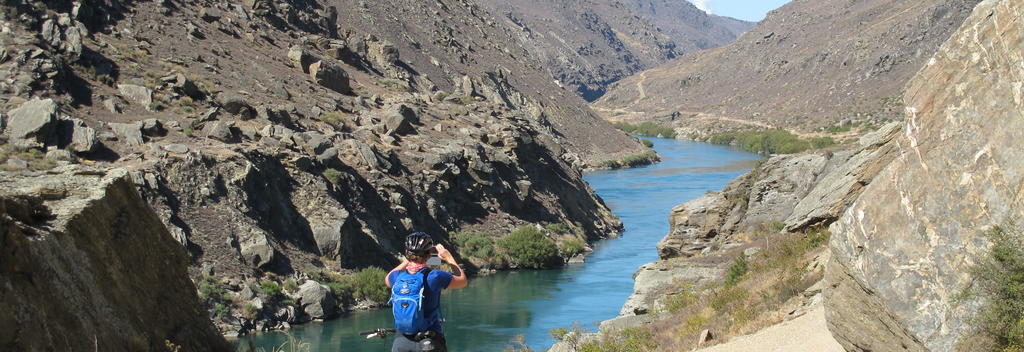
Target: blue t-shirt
437	280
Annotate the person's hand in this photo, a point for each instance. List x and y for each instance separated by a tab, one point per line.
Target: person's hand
444	254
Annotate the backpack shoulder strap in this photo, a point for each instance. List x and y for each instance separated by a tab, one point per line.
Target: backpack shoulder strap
426	283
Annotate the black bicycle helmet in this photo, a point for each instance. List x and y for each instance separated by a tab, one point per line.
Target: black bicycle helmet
419	242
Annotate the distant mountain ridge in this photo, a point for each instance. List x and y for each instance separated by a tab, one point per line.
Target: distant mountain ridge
809	64
589	44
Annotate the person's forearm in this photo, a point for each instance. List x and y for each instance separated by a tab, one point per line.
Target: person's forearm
401	266
456	270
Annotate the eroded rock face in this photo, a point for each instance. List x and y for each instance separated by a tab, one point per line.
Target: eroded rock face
35	119
903	250
799	191
88	266
844	181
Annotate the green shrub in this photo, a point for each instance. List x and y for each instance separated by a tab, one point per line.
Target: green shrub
290	285
739	267
678	302
1000	283
339	289
474	244
250	311
633	160
529	248
332	117
722	298
368	284
693	324
625	340
332	175
210	290
822	142
572	247
558	228
647	143
646	129
270	289
570	335
221	310
769	142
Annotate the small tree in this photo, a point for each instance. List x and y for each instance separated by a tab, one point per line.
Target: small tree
1000	282
529	248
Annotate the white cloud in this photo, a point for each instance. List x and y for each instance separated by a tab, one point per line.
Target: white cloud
704	5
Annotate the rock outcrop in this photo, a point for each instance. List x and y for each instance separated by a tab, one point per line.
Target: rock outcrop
793	192
903	251
86	265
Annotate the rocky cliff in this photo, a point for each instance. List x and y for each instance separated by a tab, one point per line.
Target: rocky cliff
86	265
808	65
587	45
790	192
277	139
903	251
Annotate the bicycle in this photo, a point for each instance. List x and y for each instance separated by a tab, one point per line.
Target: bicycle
424	338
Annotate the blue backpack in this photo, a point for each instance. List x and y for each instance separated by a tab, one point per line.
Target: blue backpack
407	302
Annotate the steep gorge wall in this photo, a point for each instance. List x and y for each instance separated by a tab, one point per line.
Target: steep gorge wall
904	249
86	265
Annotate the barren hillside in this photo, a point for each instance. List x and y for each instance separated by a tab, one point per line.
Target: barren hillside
588	44
808	65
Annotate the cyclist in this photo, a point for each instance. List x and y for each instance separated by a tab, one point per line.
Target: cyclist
416	294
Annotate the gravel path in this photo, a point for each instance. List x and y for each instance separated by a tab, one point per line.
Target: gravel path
807	333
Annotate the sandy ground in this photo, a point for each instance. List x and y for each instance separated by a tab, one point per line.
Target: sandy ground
807	333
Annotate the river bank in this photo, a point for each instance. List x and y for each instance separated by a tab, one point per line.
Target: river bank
498	307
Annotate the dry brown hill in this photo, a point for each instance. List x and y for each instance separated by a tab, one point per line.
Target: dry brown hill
588	44
446	40
809	64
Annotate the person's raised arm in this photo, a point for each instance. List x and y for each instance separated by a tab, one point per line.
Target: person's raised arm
387	278
459	279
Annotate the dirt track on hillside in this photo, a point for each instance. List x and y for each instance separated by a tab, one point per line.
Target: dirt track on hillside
807	333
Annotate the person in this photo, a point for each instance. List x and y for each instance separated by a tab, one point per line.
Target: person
416	294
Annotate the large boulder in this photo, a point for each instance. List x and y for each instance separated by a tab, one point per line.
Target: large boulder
129	133
330	76
255	248
137	94
693	225
80	137
35	120
330	233
223	131
399	120
904	251
317	300
299	58
236	104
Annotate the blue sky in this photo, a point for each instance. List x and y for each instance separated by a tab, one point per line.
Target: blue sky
748	10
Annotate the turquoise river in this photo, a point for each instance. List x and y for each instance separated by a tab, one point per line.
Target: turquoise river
524	305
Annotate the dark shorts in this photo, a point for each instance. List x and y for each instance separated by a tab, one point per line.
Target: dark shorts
405	344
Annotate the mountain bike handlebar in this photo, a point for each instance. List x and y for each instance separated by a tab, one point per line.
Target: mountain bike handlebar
381	333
